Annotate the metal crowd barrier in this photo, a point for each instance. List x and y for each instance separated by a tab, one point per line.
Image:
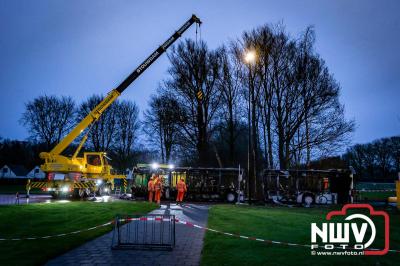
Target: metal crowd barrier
151	231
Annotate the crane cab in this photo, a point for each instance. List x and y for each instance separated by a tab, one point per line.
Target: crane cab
95	162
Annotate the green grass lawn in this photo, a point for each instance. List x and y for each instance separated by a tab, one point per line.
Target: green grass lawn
55	218
279	224
376	196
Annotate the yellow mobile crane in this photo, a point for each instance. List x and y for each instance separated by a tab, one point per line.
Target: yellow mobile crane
91	173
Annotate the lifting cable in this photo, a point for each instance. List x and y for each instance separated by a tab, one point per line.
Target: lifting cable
198	33
197	26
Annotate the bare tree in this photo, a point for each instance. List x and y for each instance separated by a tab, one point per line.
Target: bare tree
263	40
102	132
49	118
251	83
230	86
323	128
378	159
298	98
161	123
127	130
194	73
383	158
395	153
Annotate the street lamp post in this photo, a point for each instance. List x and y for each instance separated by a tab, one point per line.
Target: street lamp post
250	58
249	167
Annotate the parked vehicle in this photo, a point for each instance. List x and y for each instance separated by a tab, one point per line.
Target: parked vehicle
308	186
204	184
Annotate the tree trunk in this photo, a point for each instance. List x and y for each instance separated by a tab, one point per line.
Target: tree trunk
231	137
217	156
287	154
271	158
263	119
201	142
281	141
308	156
161	143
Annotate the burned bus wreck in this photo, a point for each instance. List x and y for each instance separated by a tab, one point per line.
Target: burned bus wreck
308	186
203	184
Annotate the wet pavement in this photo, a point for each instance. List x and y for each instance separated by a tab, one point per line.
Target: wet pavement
187	251
10	199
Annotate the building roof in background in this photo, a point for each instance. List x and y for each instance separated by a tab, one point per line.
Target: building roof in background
19	170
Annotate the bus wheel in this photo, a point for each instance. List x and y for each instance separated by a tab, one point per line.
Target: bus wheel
308	199
230	197
98	192
323	200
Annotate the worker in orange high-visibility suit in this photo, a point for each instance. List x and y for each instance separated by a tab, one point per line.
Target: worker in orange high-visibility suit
150	188
181	187
158	186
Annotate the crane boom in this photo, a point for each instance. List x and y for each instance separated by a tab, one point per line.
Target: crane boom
115	93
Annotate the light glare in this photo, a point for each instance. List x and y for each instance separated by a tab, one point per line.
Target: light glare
250	56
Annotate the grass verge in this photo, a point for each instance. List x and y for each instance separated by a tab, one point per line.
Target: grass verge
376	196
279	224
55	218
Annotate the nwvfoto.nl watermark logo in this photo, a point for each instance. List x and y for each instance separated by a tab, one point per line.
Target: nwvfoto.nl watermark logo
353	236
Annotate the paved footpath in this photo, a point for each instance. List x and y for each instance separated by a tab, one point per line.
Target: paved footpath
9	199
187	251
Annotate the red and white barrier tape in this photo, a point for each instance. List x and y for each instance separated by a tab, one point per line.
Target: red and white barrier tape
376	190
254	238
178	221
58	235
85	230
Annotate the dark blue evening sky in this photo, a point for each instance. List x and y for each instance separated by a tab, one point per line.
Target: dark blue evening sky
77	48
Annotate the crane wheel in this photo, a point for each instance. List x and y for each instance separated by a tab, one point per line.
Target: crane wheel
99	192
78	193
82	192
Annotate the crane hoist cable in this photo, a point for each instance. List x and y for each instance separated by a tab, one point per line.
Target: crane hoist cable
198	33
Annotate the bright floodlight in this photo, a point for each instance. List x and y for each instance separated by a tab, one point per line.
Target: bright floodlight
171	166
98	182
250	57
64	189
154	165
